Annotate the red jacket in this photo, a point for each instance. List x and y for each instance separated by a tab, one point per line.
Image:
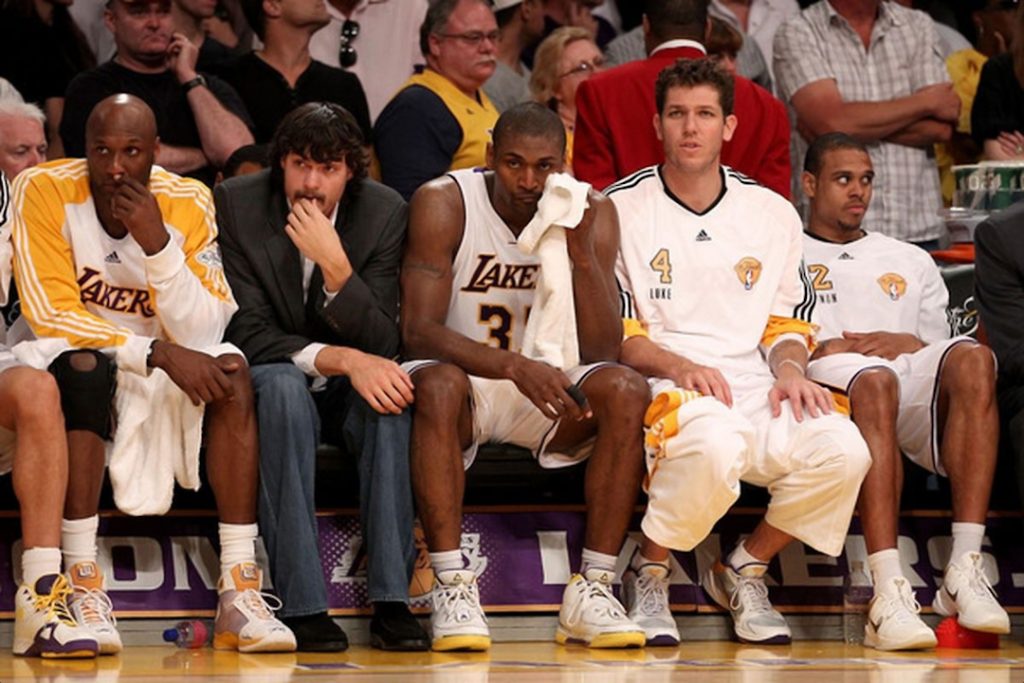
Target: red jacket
614	133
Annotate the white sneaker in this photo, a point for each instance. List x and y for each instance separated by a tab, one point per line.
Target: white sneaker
91	606
745	595
893	622
645	592
457	621
43	625
244	621
591	615
967	594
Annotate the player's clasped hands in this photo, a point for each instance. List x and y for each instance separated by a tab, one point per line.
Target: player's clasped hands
200	375
548	388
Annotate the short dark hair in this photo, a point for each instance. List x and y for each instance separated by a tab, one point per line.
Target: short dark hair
530	119
246	154
689	73
674	19
257	18
323	132
827	143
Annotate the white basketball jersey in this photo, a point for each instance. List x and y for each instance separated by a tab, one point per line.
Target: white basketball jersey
705	284
876	284
492	281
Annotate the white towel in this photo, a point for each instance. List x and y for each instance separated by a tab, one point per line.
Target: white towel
550	334
157	436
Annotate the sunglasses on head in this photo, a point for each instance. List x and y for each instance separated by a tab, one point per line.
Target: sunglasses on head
346	52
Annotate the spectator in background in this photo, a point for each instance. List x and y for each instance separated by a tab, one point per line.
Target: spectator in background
949	39
377	40
282	75
200	119
558	13
441	120
614	133
244	160
993	20
997	118
22	138
756	19
8	91
723	44
871	69
564	59
41	50
520	25
188	16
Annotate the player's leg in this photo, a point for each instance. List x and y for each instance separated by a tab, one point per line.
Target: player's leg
590	614
244	621
30	409
441	429
893	618
86	382
968	421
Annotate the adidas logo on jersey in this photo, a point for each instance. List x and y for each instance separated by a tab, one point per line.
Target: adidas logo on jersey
703	236
112	257
845	257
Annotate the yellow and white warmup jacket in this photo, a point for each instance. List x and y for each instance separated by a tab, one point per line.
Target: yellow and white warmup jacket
722	288
81	288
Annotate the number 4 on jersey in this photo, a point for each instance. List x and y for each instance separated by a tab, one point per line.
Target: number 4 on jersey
661	264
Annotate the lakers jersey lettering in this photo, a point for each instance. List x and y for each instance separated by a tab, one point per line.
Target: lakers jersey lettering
490	273
123	299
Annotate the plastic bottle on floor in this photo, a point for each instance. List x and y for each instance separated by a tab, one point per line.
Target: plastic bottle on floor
191	634
857	593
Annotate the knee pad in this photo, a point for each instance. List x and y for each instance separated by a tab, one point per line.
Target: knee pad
86	379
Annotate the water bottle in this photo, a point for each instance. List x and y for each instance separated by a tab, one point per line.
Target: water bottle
857	593
192	634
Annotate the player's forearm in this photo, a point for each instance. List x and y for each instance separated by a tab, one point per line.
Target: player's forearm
866	121
437	342
923	133
598	322
220	131
180	159
651	360
787	353
191	314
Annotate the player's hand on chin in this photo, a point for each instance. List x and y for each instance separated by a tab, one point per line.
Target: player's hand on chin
135	206
547	388
802	393
200	375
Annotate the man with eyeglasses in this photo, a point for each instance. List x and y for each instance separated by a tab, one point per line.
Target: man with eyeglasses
283	75
377	40
441	120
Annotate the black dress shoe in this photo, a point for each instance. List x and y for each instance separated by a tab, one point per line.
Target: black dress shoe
393	627
317	633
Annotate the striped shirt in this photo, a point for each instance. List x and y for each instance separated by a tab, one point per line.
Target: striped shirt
903	57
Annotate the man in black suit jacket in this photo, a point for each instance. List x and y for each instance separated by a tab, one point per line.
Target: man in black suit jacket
311	249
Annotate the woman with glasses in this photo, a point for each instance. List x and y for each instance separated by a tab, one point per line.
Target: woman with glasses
563	60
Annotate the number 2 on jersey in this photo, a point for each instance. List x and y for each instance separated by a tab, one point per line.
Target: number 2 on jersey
661	264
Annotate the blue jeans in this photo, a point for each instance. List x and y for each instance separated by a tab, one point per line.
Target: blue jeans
289	424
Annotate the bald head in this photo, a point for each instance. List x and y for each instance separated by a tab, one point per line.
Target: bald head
124	114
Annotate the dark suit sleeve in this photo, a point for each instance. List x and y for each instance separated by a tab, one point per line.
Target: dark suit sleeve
999	289
592	158
254	328
364	314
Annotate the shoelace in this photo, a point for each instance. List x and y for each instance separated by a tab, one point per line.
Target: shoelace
56	601
752	592
977	582
458	600
94	605
652	598
903	606
602	601
261	605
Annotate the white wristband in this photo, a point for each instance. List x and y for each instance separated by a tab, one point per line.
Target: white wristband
794	363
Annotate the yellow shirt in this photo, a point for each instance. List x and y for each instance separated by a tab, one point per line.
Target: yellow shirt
965	71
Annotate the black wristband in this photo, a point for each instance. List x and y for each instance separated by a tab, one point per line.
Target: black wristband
197	81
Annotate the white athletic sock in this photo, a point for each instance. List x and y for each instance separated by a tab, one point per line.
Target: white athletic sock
591	559
743	562
967	538
37	563
237	544
78	540
446	561
639	560
884	566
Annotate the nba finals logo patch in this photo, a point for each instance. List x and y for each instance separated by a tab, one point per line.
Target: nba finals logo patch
893	285
748	270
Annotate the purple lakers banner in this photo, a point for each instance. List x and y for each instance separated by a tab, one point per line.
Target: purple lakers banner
168	566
